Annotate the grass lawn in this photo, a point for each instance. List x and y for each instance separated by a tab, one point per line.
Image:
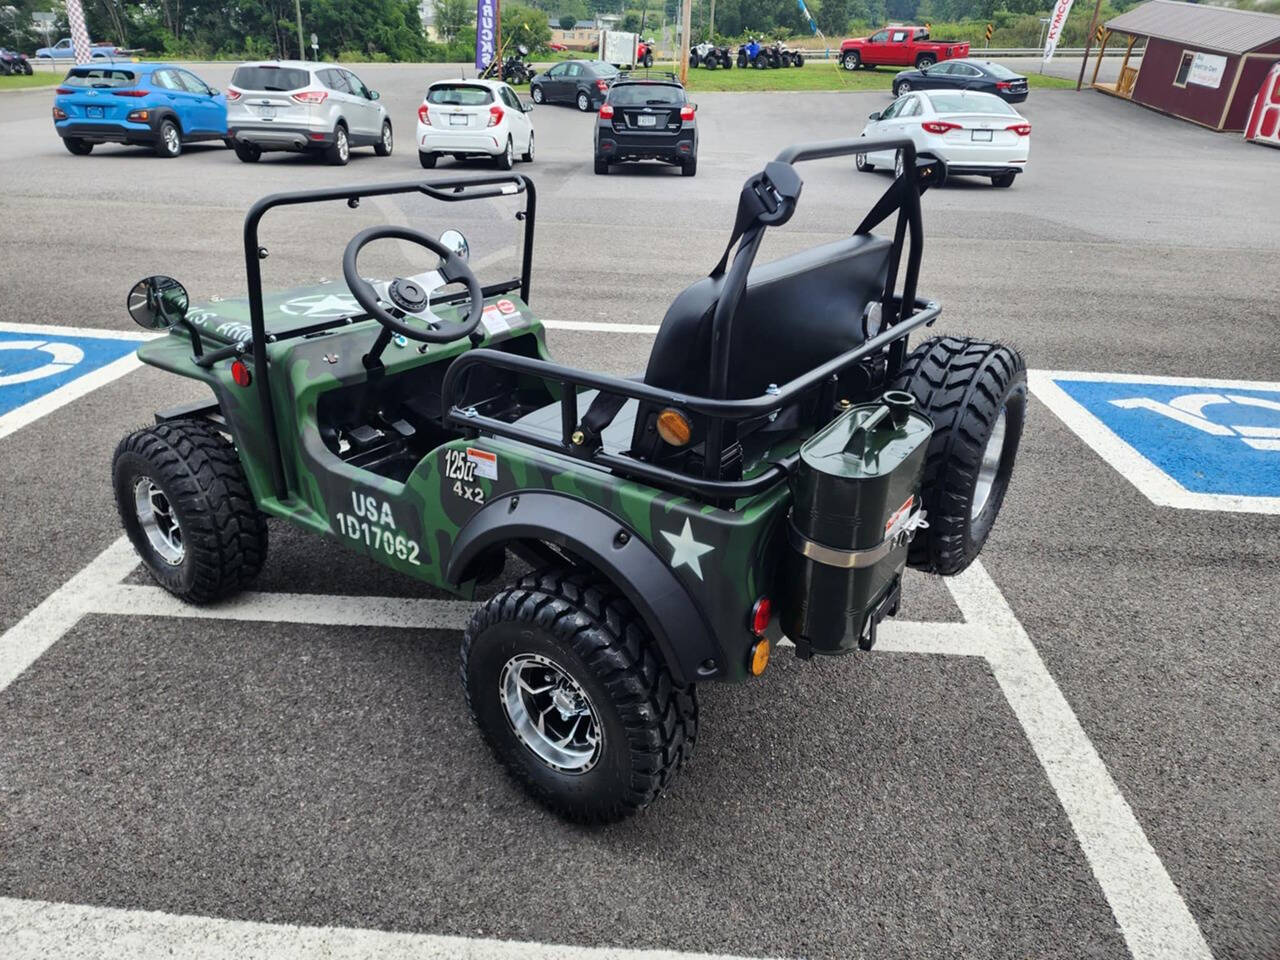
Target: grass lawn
814	75
19	81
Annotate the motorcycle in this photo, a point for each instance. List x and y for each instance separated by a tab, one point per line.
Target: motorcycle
514	69
11	62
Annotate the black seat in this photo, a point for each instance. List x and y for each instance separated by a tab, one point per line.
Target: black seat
795	314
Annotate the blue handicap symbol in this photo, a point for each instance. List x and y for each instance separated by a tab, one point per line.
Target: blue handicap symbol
34	364
1209	438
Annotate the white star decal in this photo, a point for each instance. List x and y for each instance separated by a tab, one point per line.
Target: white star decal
685	549
326	306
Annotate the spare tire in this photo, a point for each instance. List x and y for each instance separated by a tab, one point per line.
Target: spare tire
976	395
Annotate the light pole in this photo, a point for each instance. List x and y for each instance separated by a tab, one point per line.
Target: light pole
686	19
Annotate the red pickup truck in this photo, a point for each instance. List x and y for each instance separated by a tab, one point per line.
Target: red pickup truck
899	46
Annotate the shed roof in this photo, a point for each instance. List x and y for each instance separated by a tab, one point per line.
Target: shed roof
1215	28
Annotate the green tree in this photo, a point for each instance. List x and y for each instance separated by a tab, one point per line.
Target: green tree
452	16
567	22
527	25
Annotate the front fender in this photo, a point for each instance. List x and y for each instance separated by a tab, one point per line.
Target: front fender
612	549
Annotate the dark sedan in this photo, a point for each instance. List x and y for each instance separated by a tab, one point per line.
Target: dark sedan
581	82
984	76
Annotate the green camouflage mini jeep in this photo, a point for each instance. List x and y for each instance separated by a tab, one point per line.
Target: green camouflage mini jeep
780	462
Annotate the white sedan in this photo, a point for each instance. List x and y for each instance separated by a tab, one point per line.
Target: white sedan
474	118
974	133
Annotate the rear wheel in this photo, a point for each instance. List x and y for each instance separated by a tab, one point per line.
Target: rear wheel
976	395
538	95
1004	180
584	101
427	159
186	505
168	140
851	60
77	146
690	167
602	166
247	152
339	152
711	63
385	142
925	60
507	159
562	677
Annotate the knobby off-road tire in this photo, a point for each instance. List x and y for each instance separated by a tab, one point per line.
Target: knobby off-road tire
646	726
972	391
191	475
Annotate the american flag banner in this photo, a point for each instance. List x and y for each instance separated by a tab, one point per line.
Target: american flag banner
79	35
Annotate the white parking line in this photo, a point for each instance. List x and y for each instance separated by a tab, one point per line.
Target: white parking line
1149	911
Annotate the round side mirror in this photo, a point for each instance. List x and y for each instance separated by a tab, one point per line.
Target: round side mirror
456	242
157	303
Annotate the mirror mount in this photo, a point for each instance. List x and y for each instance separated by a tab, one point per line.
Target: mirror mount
874	116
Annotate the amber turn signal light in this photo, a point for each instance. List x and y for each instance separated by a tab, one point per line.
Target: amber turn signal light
759	657
673	427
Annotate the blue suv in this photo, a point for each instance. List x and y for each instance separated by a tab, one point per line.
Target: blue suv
156	105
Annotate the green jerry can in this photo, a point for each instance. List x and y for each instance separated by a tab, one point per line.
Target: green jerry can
856	504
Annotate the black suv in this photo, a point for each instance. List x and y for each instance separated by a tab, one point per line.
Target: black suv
647	118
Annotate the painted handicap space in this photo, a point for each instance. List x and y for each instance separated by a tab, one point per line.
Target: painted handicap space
1183	442
43	367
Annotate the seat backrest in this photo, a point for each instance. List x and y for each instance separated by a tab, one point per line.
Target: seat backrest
795	314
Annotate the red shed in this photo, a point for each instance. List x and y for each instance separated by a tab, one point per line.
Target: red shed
1203	64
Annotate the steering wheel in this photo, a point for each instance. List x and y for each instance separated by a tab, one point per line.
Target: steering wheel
412	295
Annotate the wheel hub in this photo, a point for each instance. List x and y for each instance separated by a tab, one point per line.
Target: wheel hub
550	713
158	521
989	469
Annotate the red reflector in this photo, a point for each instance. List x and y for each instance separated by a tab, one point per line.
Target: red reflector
424	116
686	112
495	115
940	126
317	136
132	93
606	111
761	614
1021	129
311	96
240	374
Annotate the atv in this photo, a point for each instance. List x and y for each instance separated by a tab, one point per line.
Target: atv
782	460
708	55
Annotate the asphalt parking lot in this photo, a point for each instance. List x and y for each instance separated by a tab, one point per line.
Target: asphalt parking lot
1069	753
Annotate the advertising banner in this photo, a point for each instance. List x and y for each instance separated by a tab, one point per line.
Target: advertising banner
486	32
79	35
1057	20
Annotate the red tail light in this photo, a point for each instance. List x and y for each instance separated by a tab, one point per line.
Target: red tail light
686	112
602	86
940	126
310	96
233	94
64	90
495	115
132	93
424	116
1021	129
761	614
1002	85
606	111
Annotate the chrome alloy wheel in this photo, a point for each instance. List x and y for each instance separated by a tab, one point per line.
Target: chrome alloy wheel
158	521
989	469
387	138
550	713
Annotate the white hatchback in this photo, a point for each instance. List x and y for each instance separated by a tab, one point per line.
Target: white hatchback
974	133
470	118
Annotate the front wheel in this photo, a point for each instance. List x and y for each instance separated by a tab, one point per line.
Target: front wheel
564	681
584	102
976	395
851	61
693	58
798	59
860	162
648	60
385	142
901	87
742	60
186	505
527	156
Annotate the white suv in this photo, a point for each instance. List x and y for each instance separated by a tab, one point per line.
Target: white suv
468	118
297	105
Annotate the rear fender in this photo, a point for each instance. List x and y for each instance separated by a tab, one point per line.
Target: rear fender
613	550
